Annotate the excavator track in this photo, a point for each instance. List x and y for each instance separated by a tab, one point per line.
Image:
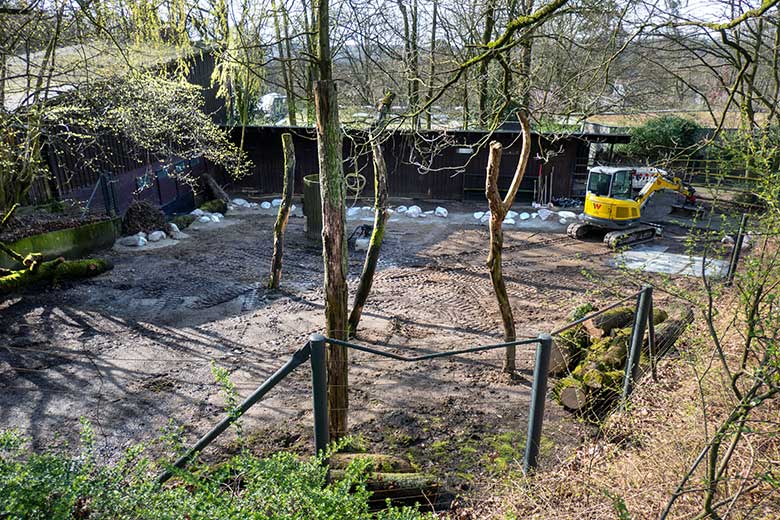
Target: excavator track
579	230
632	236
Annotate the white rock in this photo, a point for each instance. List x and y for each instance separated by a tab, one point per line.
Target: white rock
429	212
197	212
276	203
544	214
178	235
728	240
173	228
240	202
485	218
536	205
567	214
479	214
351	212
254	205
401	209
292	208
414	211
509	222
524	216
156	236
746	242
361	244
205	218
265	205
534	215
511	214
390	211
366	208
217	217
132	241
231	207
562	220
441	212
581	216
141	234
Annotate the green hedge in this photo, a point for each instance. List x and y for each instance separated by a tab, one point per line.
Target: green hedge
54	485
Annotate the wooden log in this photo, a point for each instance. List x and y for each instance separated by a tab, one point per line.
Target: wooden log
571	393
52	272
216	190
601	325
568	349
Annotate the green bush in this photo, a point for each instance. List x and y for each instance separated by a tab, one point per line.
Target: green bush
53	485
662	138
214	206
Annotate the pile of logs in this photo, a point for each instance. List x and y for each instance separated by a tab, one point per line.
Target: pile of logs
590	358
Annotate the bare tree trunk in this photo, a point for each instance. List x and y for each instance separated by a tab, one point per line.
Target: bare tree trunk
498	211
284	211
380	219
484	67
334	241
432	64
286	62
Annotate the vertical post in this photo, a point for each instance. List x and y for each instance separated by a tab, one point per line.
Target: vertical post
538	396
319	385
737	249
637	338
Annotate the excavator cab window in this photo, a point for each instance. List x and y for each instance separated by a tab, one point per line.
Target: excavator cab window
621	184
598	183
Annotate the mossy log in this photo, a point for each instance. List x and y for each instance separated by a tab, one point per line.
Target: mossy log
377	462
601	325
216	190
616	319
52	272
666	333
402	489
568	349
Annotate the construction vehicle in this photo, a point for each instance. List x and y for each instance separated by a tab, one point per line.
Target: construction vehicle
611	205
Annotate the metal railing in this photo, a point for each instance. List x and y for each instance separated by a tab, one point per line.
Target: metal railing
315	352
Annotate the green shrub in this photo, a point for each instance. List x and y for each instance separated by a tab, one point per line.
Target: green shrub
53	485
214	206
662	138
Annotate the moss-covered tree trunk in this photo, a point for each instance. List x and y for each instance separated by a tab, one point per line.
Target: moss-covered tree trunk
284	210
380	218
334	218
498	211
52	272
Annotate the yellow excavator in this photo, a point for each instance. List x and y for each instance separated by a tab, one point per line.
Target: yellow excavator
610	205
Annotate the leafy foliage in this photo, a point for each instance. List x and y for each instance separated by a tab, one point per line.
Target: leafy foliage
52	485
662	138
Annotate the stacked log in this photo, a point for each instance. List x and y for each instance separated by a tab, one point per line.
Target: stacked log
602	346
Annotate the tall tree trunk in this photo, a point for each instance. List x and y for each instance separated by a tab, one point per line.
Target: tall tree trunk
380	217
284	211
334	240
484	67
432	65
498	211
285	60
466	113
526	48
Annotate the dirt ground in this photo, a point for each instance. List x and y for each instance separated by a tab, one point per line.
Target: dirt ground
132	349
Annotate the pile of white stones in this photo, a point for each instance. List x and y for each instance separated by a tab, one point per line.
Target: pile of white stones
141	239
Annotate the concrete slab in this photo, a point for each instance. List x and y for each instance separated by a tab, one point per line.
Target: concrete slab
654	259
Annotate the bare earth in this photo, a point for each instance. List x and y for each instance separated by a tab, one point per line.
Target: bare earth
133	348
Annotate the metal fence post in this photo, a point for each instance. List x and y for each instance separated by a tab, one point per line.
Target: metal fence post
319	386
637	338
737	249
538	396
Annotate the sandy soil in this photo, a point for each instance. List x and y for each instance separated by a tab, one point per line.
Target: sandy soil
131	349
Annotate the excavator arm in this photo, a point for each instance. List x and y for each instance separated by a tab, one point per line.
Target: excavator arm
659	183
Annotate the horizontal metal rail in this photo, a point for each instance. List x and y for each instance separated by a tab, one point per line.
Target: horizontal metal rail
435	355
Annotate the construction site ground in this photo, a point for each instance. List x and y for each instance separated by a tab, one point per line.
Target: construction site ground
132	350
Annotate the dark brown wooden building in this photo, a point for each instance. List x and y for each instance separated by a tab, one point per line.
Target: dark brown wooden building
431	165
